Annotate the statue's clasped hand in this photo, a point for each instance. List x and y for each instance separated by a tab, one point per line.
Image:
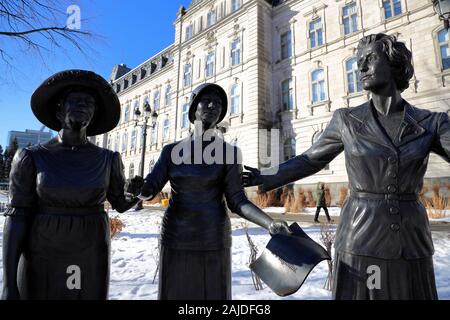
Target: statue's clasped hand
135	185
252	177
146	192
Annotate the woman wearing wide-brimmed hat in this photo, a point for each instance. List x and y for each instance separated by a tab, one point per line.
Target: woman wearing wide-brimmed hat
56	220
195	261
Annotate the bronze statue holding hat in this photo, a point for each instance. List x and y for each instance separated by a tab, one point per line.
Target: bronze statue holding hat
195	260
56	241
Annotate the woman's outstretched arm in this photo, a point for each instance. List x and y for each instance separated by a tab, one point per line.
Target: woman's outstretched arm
322	152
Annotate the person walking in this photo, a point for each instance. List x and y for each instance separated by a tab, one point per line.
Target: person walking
321	202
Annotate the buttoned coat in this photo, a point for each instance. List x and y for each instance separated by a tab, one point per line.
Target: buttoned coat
382	217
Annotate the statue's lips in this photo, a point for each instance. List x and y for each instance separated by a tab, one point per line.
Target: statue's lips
366	77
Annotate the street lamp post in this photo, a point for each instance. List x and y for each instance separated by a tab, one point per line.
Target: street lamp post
147	115
442	8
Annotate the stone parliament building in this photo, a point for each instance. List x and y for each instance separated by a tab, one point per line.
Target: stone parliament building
285	65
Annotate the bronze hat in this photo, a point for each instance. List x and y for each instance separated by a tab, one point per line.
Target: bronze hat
195	97
44	100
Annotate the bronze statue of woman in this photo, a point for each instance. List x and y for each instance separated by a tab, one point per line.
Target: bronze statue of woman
203	171
384	227
56	242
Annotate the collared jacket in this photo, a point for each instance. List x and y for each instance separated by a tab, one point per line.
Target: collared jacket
390	222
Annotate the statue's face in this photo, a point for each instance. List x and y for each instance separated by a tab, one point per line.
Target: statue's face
374	67
77	110
209	109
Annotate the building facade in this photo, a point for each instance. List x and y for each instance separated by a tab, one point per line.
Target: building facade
29	137
285	65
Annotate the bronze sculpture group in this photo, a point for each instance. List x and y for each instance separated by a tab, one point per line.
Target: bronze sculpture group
56	223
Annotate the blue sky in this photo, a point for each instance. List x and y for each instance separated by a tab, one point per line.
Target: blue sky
126	32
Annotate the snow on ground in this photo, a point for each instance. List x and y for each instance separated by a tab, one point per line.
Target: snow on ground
134	254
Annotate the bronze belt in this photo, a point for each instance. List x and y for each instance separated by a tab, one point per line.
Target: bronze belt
384	196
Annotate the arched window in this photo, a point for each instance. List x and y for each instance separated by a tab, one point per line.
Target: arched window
235	95
318	85
444	49
351	70
124	142
185	116
133	139
131	171
316	137
289	148
168	95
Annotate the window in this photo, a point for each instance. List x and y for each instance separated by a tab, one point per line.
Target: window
118	88
353	83
287	95
156	99
235	5
392	8
168	95
211	18
318	85
108	146
236	52
133	79
316	137
444	50
131	171
315	33
286	45
187	75
350	18
185	116
124	142
126	116
136	106
189	32
116	142
209	70
154	134
289	148
133	139
166	129
235	103
146	100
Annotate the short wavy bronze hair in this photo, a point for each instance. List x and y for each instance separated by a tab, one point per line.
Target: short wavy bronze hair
398	54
